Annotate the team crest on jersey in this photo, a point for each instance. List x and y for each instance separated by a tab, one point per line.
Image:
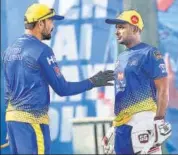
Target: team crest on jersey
133	62
158	55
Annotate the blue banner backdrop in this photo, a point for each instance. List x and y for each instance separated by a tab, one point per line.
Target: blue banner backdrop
84	44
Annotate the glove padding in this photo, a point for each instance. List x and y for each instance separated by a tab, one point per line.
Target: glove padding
102	78
162	131
108	142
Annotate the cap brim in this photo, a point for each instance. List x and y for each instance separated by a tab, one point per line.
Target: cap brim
57	17
115	21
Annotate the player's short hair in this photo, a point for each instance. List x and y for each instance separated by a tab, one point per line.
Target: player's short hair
29	26
136	28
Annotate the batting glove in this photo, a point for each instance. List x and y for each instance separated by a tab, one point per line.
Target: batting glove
102	78
108	142
162	131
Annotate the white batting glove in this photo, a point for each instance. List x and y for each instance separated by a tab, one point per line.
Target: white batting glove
108	142
162	131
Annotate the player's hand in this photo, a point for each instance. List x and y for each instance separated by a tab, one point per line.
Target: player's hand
103	78
159	134
162	131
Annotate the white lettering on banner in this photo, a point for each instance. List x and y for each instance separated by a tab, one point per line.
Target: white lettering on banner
173	62
56	98
51	60
87	9
64	7
100	11
65	43
85	42
174	65
109	92
47	2
54	123
101	8
81	111
103	108
72	74
66	125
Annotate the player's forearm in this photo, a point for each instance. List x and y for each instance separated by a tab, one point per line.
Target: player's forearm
73	88
162	101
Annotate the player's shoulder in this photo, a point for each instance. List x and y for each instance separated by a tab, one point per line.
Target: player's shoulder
45	50
142	48
149	49
33	42
154	52
36	46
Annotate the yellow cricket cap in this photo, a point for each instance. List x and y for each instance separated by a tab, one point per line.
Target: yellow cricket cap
130	16
37	12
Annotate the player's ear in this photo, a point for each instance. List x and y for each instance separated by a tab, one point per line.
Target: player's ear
40	24
135	29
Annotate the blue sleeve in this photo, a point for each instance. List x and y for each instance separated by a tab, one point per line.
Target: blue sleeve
6	95
55	78
154	65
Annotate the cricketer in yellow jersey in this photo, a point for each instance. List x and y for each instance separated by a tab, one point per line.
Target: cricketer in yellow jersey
141	92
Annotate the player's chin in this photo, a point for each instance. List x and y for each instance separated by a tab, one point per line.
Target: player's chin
47	37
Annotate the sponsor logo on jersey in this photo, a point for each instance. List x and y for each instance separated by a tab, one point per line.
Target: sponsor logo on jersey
51	59
158	55
133	62
57	70
163	68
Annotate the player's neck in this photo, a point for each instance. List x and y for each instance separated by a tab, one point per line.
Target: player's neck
135	41
33	33
133	44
